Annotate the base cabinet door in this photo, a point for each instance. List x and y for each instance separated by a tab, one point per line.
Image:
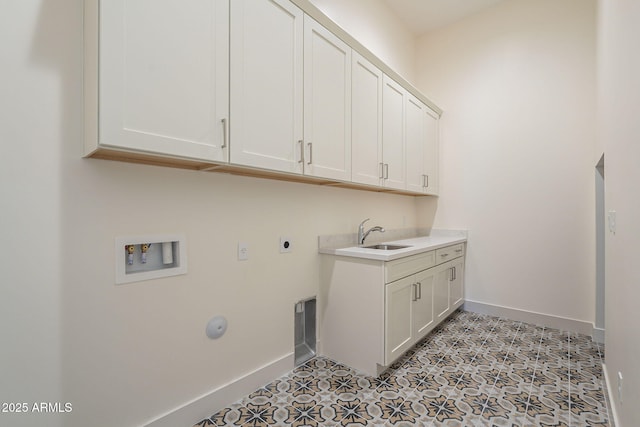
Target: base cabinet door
456	286
423	314
398	324
441	298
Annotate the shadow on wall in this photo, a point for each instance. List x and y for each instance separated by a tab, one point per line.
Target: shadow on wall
56	47
426	208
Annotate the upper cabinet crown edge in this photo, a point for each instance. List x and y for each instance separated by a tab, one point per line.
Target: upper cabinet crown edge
313	11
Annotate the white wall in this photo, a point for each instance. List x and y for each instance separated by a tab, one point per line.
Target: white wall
619	104
123	355
39	111
376	26
517	86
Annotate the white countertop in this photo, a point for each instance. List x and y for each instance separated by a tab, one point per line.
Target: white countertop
435	240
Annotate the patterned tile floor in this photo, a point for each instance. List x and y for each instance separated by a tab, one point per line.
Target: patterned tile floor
473	370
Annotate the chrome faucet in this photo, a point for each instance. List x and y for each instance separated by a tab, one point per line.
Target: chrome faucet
363	235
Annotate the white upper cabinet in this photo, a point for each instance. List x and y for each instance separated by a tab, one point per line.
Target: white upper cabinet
431	153
266	84
327	103
421	146
415	143
163	70
393	134
270	88
366	122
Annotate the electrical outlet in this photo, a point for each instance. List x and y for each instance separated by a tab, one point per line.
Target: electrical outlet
285	245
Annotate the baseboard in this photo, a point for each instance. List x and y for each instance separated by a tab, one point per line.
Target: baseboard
609	396
541	319
598	335
206	405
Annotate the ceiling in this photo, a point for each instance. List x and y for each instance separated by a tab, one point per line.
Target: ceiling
422	16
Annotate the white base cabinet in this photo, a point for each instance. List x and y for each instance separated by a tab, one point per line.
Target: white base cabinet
408	312
376	310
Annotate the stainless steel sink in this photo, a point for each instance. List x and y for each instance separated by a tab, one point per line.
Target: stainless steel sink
384	247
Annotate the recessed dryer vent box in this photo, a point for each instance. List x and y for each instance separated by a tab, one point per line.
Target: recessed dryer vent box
150	257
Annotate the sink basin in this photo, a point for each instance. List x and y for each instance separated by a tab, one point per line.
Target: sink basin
384	247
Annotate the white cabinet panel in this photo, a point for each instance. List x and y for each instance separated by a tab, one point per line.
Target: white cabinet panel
327	103
448	287
431	153
393	138
423	316
399	335
415	143
266	84
456	287
163	77
421	147
441	298
366	120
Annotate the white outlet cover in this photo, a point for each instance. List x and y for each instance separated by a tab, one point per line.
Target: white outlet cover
612	221
243	251
286	245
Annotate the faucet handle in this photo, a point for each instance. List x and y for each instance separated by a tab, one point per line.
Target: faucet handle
362	223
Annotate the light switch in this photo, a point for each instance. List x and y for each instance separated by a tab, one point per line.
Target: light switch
243	251
612	222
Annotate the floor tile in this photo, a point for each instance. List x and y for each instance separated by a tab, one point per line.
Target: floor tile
472	370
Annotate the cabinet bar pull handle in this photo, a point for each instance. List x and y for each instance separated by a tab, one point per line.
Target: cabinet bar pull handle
444	255
425	181
415	292
386	171
451	275
301	142
310	145
455	273
458	250
225	132
381	170
419	290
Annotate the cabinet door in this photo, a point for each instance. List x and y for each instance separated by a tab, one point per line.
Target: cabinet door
366	122
163	76
327	103
266	84
398	323
456	287
432	137
415	143
393	116
441	298
423	314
